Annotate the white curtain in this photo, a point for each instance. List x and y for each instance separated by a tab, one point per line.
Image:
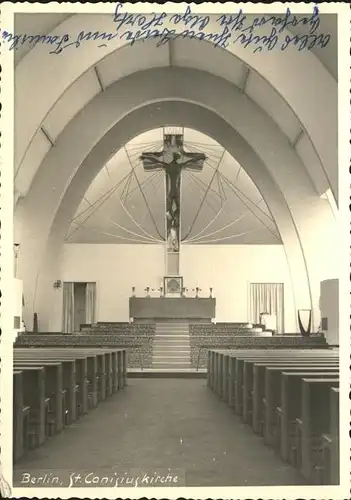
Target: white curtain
90	300
267	298
68	307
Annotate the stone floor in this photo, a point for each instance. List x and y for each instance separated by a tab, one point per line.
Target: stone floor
161	424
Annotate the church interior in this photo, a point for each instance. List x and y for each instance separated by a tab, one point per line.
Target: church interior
175	270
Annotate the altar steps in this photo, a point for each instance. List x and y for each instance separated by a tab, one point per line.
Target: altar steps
167	373
171	349
162	350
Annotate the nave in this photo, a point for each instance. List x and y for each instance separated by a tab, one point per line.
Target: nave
154	424
260	410
198	213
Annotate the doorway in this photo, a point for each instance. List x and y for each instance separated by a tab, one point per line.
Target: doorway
267	298
78	305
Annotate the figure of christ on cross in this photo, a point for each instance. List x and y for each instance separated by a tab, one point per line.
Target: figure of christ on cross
173	171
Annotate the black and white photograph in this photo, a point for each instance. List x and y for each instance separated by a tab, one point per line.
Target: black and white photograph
174	254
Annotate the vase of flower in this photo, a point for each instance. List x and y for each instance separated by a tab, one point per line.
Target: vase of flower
133	291
304	318
161	291
211	289
147	290
197	289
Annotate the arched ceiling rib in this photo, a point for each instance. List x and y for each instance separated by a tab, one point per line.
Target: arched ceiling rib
88	128
35	24
127	60
153	115
45	23
282	71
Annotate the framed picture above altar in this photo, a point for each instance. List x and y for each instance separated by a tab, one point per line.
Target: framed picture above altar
173	286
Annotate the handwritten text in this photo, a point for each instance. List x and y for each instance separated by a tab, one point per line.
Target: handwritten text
230	29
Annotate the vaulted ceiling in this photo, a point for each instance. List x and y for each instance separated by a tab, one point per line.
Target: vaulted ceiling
143	56
46	23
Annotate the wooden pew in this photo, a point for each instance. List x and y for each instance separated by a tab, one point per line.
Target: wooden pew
99	371
68	379
218	365
33	386
264	360
266	401
112	369
100	375
109	359
330	443
256	371
78	382
270	375
46	383
259	382
291	409
20	417
314	422
53	390
272	408
235	384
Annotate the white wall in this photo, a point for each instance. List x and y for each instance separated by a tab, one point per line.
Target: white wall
329	305
227	268
17	303
115	269
230	269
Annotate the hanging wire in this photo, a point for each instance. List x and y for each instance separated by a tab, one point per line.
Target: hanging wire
153	182
158	184
202	185
219	212
232	223
104	233
127	230
194	147
227	237
204	197
253	213
153	176
106	197
194	186
211	158
204	146
200	181
234	189
220	186
97	204
143	195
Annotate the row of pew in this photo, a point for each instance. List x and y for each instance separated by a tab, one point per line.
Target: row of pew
290	398
53	387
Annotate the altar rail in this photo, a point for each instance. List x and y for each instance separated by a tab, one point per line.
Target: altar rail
200	344
210	329
229	325
138	346
122	328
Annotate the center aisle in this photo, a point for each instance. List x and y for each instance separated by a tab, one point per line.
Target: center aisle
165	423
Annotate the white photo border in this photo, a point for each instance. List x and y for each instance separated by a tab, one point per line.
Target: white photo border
7	11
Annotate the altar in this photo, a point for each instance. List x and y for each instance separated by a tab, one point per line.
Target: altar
186	308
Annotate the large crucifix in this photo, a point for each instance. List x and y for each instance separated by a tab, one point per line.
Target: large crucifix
178	160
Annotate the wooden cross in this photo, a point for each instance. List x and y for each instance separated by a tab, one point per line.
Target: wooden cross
178	160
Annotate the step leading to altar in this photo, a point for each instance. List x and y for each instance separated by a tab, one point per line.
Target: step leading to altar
171	348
